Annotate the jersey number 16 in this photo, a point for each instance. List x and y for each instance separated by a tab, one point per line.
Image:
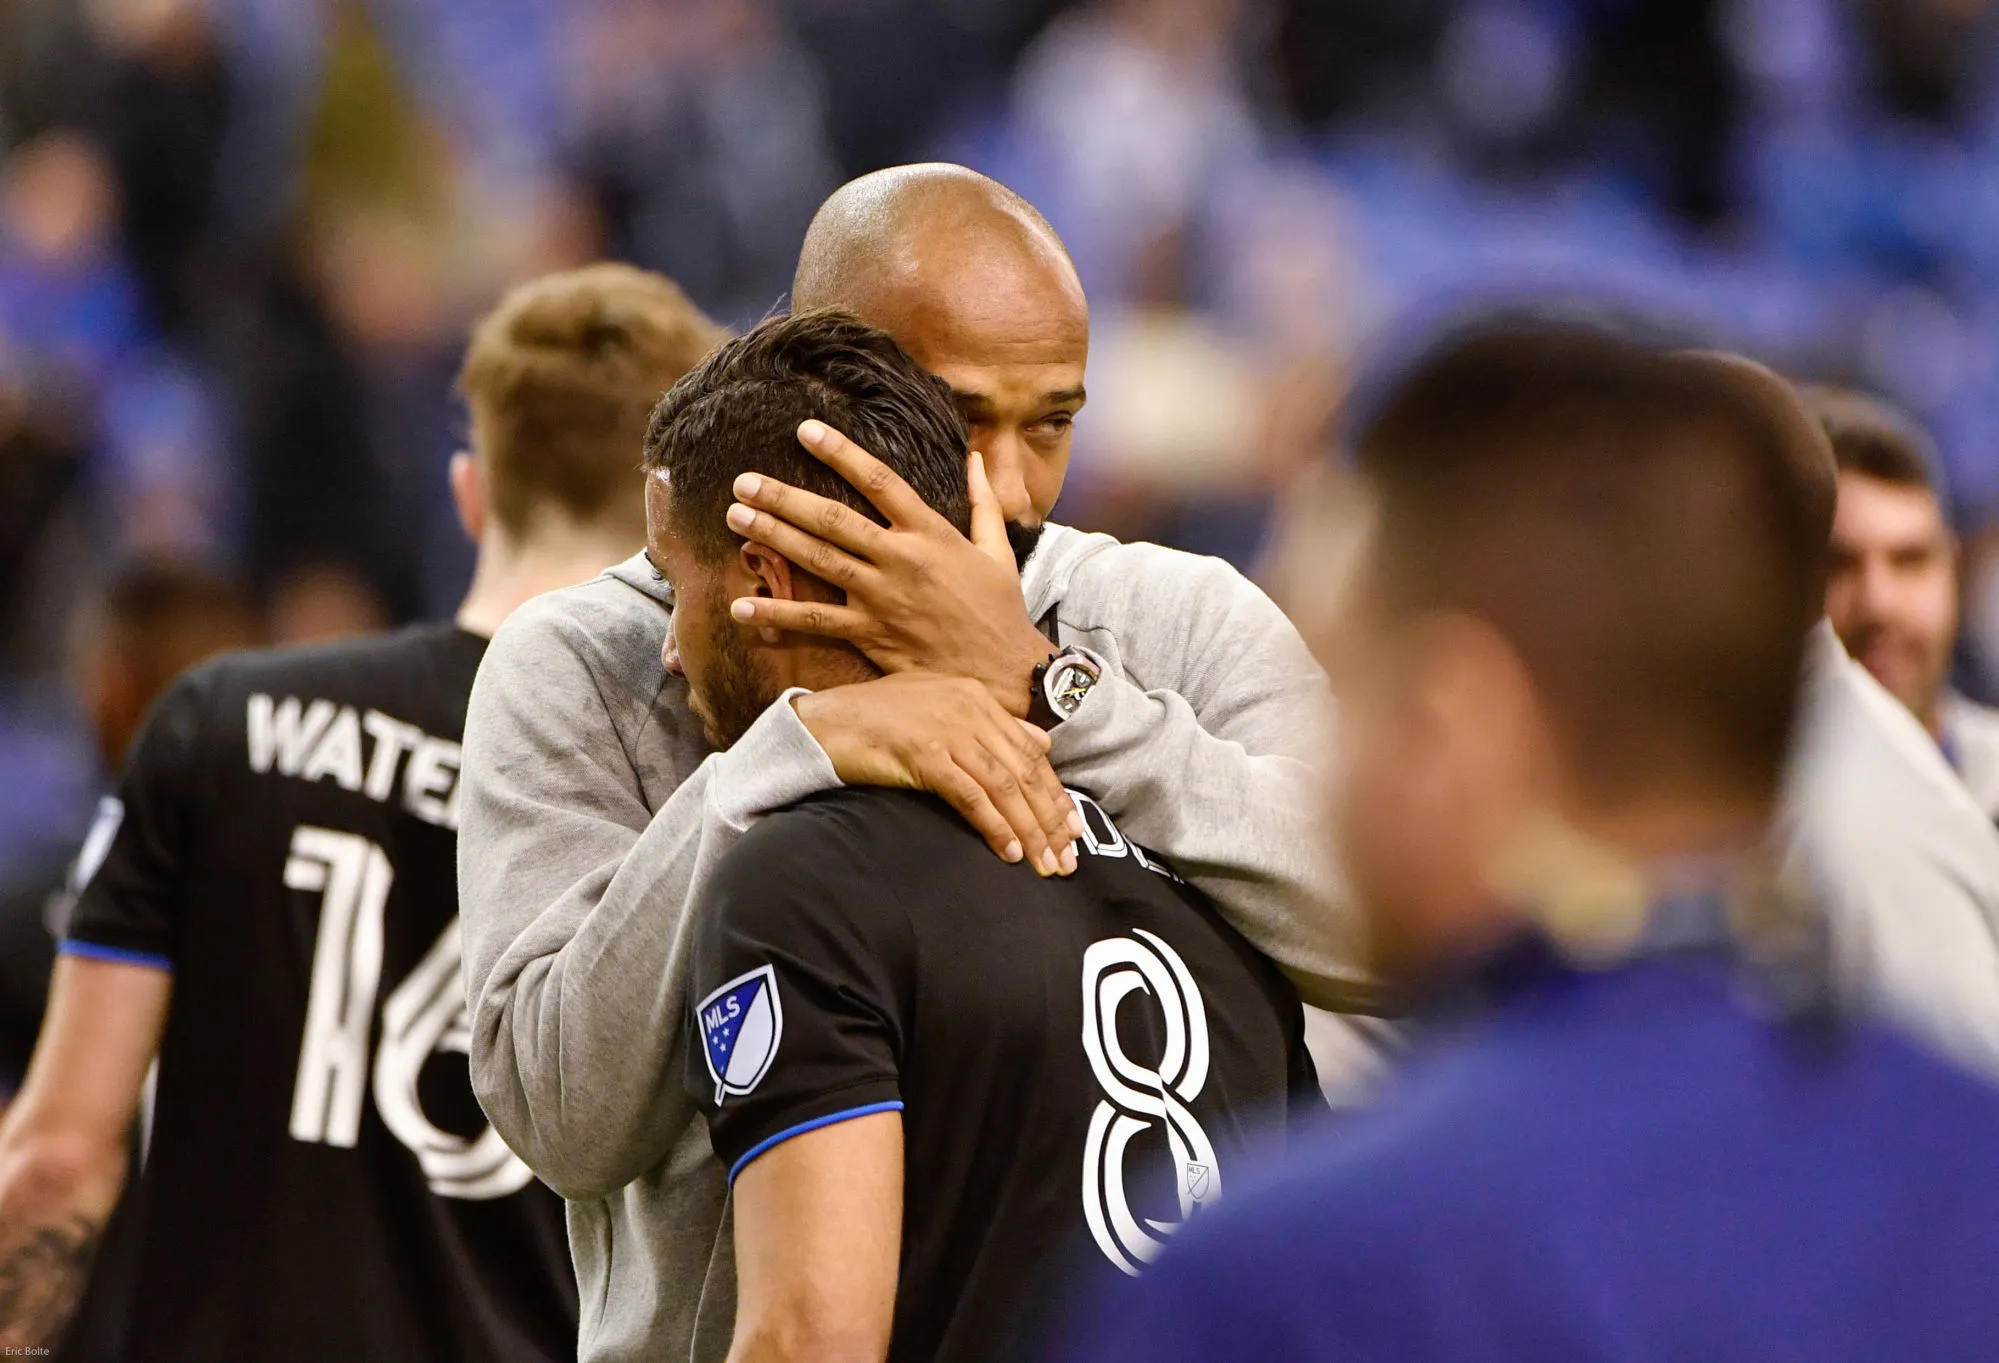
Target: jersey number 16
425	1014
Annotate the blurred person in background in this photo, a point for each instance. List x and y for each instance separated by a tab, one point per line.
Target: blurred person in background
1897	852
154	622
594	812
166	110
274	875
698	127
86	401
1127	111
1567	620
1893	592
65	291
44	448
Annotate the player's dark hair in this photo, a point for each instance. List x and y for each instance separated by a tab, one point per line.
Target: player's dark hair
1638	524
738	412
1875	440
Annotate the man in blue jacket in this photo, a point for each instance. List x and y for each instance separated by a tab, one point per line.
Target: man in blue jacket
1574	590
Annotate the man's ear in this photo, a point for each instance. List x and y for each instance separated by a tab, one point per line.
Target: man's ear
770	574
1473	694
468	493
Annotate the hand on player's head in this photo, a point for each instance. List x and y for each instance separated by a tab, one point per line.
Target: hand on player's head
920	596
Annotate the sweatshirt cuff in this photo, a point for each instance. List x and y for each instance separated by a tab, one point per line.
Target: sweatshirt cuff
775	763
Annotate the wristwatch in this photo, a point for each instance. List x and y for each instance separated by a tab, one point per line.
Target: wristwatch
1060	685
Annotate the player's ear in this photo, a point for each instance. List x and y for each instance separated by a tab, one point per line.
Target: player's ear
771	572
468	493
772	575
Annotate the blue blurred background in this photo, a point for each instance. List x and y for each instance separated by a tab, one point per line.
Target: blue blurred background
241	240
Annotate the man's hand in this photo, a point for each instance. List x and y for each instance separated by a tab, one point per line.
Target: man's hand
949	736
920	596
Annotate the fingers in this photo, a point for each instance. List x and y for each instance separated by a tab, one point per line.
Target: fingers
875	480
803	617
816	556
1016	782
1041	740
988	521
815	518
964	794
949	736
1059	819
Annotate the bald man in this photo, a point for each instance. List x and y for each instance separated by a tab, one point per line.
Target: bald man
1193	702
1164	685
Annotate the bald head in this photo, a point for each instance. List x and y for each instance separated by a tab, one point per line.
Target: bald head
875	235
979	289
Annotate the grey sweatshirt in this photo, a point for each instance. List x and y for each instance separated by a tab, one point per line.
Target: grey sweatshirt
592	814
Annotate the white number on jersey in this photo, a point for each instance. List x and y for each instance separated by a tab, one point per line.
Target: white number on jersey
426	1013
1138	1097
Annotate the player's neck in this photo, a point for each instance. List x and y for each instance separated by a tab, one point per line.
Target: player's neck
508	573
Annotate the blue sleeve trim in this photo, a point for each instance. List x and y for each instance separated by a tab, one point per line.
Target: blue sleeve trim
867	1110
91	951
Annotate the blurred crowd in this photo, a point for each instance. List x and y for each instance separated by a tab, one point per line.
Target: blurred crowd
240	241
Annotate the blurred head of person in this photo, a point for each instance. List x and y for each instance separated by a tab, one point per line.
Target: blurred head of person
155	621
322	600
169	35
739	413
559	381
979	289
58	199
1564	605
382	276
1892	593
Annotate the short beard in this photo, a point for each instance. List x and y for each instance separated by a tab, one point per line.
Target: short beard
739	689
1023	540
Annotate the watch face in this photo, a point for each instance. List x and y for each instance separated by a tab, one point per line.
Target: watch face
1067	684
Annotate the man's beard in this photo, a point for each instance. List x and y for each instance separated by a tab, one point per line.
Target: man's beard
738	689
1023	539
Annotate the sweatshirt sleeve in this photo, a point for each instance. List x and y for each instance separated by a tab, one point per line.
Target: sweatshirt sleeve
576	899
1204	740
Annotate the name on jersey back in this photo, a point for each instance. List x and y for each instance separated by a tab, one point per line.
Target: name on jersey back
360	751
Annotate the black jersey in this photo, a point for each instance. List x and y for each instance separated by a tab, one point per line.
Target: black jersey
320	1183
1080	1063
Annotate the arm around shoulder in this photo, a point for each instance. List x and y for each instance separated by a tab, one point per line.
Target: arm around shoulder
577	895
